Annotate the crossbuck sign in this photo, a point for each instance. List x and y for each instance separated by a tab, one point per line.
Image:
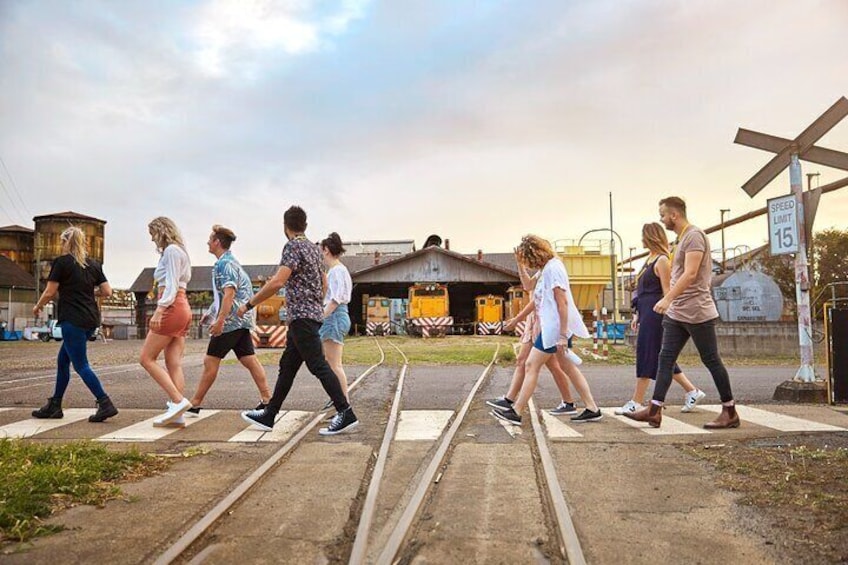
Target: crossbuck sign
783	225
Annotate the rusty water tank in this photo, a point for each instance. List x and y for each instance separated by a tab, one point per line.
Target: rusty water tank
747	296
48	244
18	243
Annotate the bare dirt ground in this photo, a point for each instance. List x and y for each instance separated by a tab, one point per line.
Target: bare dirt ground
797	485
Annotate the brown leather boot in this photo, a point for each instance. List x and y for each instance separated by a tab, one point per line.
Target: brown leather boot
727	419
651	414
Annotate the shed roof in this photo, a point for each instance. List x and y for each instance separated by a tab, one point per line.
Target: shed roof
12	275
14	228
68	215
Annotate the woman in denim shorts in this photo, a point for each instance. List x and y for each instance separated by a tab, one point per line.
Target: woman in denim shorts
336	318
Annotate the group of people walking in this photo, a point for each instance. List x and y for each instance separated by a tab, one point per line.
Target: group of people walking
672	302
317	314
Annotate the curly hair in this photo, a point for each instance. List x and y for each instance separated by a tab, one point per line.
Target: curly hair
534	251
73	239
164	233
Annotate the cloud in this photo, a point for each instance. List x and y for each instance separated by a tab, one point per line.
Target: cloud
239	35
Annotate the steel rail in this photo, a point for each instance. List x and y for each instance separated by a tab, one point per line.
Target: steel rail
208	520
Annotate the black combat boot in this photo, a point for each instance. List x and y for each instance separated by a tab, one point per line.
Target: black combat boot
52	410
105	409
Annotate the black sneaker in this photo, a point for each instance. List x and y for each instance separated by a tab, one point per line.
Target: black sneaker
587	416
563	409
194	410
343	421
501	403
262	419
507	415
261	406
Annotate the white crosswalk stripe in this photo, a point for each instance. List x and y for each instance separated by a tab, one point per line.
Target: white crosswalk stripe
414	425
774	421
417	425
34	426
556	428
145	431
669	427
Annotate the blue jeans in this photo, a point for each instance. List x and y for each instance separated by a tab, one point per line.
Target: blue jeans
73	350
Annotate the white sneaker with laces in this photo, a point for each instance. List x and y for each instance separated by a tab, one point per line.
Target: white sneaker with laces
573	357
692	400
629	408
175	411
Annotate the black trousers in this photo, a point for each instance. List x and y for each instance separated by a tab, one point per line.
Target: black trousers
304	345
675	336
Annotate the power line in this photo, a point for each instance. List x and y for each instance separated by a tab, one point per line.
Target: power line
11	201
15	186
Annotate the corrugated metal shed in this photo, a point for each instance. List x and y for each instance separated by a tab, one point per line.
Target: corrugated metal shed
434	264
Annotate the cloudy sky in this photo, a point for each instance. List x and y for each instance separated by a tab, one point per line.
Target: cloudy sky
477	120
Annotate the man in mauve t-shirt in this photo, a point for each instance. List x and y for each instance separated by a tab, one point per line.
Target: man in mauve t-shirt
689	311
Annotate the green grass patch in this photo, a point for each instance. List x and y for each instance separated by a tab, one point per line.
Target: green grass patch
38	479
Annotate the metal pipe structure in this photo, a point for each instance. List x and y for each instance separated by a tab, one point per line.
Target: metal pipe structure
613	265
830	187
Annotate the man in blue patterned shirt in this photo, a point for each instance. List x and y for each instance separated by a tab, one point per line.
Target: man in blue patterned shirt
302	274
232	288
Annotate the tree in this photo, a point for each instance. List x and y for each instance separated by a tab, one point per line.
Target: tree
830	261
829	264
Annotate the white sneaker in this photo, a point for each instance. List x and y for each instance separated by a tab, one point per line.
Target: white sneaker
629	408
175	411
692	399
573	357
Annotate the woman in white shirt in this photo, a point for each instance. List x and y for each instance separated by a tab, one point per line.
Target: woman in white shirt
336	317
171	321
558	318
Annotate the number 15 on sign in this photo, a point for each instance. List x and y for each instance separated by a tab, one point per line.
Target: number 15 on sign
783	225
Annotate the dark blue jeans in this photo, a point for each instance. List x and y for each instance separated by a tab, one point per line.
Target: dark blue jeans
675	336
304	345
73	350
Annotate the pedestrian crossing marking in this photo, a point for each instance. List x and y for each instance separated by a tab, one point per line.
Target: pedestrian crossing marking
145	431
417	425
669	426
556	428
775	421
511	429
285	425
34	426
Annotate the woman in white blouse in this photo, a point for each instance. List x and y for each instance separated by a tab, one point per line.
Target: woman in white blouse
171	321
558	318
336	317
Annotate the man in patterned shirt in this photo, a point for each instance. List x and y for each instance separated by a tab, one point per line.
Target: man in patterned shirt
232	288
301	273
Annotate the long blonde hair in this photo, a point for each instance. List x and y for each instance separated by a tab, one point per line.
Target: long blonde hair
534	251
655	239
164	233
73	239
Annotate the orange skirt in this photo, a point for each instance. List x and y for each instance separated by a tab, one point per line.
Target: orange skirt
176	320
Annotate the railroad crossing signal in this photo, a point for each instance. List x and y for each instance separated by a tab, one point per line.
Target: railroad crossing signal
796	208
801	145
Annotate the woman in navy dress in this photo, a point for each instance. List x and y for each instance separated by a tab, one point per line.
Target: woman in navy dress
653	282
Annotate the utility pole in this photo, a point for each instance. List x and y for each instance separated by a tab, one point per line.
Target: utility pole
723	249
613	270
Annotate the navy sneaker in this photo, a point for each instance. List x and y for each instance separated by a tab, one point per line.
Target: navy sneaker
342	422
262	419
563	409
587	416
501	403
507	415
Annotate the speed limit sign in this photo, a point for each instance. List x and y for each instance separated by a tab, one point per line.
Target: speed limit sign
783	225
